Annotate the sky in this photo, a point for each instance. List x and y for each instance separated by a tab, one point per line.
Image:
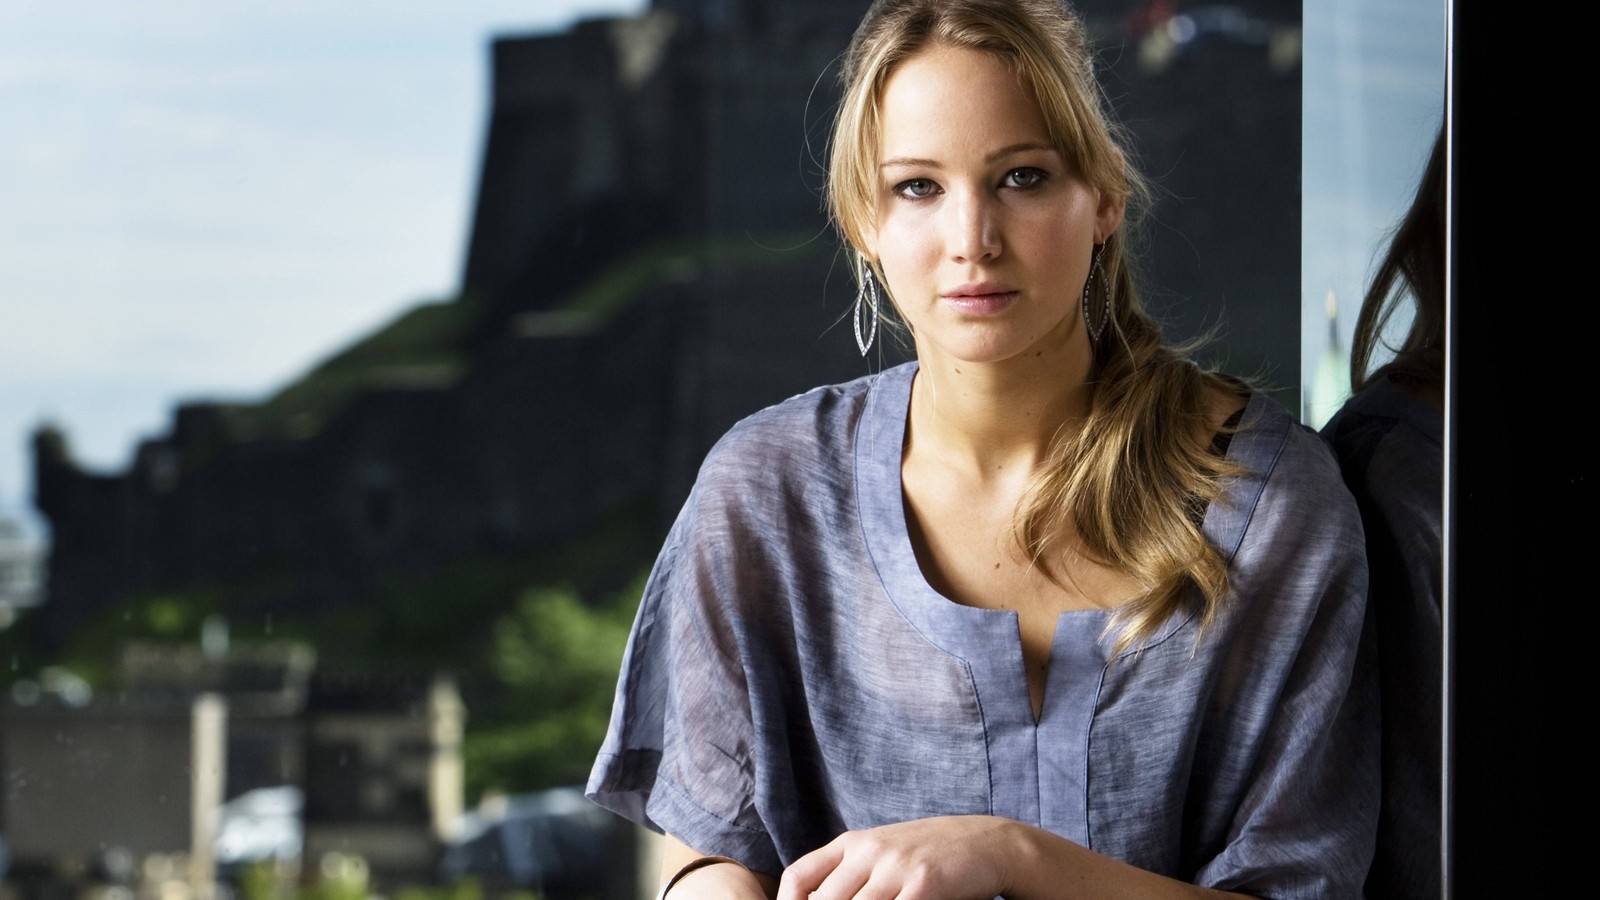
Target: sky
201	199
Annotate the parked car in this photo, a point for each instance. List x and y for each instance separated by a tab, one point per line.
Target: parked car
259	826
555	842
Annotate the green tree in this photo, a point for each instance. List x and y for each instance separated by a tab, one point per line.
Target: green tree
556	657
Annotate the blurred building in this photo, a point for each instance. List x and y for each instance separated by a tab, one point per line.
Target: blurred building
649	261
207	759
22	567
383	780
88	787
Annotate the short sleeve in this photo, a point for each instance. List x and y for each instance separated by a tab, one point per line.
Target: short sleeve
1302	677
679	754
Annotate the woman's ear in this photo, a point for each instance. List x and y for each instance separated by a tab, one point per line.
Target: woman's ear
869	244
1108	217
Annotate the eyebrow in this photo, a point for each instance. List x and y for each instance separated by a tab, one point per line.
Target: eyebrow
1001	153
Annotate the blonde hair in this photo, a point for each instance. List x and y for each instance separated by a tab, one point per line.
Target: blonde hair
1130	483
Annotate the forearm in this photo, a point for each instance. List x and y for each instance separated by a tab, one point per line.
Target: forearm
719	881
949	857
1049	867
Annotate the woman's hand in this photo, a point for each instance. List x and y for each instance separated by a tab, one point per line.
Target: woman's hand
970	858
942	858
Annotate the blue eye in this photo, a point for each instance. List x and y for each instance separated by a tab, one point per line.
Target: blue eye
1024	178
915	188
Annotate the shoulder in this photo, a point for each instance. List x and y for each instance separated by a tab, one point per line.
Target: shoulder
1292	532
793	462
1279	449
1415	401
1384	405
1388	424
804	434
1389	444
1290	482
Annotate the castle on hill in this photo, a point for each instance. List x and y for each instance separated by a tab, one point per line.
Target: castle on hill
649	261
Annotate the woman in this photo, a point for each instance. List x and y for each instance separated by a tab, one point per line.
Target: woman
1049	611
1389	438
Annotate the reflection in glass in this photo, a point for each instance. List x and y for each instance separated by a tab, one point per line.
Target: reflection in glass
1373	262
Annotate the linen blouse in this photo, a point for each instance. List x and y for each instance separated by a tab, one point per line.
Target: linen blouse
792	675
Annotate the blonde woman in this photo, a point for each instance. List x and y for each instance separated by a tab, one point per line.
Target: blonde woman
1048	612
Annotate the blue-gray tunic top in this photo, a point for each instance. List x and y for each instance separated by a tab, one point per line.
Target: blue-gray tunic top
792	675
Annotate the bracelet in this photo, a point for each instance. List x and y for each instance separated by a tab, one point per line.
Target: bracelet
694	864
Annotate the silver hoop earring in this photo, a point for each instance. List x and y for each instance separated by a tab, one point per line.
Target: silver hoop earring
867	299
1095	268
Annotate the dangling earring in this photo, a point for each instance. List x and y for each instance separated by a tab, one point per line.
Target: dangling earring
1088	288
866	308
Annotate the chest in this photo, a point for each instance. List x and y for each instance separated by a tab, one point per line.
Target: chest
968	551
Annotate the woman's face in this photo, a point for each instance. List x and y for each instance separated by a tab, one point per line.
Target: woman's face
983	232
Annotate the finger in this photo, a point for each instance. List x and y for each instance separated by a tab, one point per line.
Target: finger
805	874
878	889
827	873
848	881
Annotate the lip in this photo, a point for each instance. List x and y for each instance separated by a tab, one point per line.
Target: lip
980	297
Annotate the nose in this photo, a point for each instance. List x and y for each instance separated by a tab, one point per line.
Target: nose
974	228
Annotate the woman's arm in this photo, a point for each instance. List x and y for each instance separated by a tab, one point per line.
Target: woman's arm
962	857
720	881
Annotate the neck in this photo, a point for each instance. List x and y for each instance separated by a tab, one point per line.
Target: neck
996	417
